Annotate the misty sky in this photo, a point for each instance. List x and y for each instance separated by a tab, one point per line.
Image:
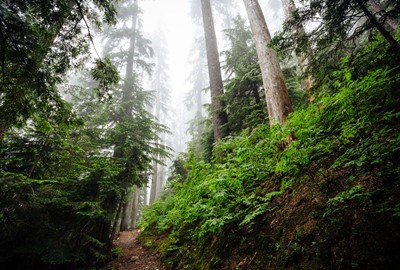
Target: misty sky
173	17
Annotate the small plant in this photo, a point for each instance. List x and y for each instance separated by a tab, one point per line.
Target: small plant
116	251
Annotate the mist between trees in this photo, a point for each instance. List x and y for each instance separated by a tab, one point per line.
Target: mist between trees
236	134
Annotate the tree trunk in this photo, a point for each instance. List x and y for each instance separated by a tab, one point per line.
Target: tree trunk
219	116
127	92
279	105
302	59
389	38
135	208
144	195
377	8
160	179
153	188
127	211
117	221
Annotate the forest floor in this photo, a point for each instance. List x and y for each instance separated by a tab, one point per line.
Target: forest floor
134	255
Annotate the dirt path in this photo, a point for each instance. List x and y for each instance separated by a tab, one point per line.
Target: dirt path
134	256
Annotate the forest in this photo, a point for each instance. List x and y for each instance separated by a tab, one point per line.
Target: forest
218	134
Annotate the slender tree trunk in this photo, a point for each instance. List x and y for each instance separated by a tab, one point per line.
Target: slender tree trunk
219	116
279	105
154	177
126	207
377	8
135	208
127	211
145	195
199	103
389	38
117	221
127	92
153	188
160	179
302	59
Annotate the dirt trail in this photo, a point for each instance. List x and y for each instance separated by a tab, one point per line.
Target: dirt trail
134	256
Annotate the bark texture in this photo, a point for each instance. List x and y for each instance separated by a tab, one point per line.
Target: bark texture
279	105
389	38
377	8
219	117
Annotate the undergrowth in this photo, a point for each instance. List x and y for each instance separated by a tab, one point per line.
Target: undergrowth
321	192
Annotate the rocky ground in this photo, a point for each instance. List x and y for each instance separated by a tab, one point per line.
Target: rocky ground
134	255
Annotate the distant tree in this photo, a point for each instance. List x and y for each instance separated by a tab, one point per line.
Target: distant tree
278	103
160	106
339	28
245	100
219	116
39	41
302	58
133	132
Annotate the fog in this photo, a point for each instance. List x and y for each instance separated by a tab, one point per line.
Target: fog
173	19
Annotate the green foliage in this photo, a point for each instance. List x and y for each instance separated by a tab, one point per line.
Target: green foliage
342	30
354	193
50	190
40	41
304	185
117	251
106	74
245	100
59	185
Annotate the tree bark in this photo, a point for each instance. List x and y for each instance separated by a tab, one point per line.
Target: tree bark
219	116
377	8
135	208
117	221
279	105
389	38
127	211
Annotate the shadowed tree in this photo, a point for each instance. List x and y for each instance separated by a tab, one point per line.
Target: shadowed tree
219	117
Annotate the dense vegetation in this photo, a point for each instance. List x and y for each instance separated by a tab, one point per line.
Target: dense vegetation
66	167
319	189
321	192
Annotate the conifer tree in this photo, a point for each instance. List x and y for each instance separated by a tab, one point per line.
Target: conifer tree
219	116
278	103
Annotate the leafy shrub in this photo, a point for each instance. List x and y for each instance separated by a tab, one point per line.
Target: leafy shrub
341	152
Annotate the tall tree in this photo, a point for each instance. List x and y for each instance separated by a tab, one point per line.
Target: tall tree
245	99
40	41
135	132
127	112
278	103
219	116
342	27
160	106
289	9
